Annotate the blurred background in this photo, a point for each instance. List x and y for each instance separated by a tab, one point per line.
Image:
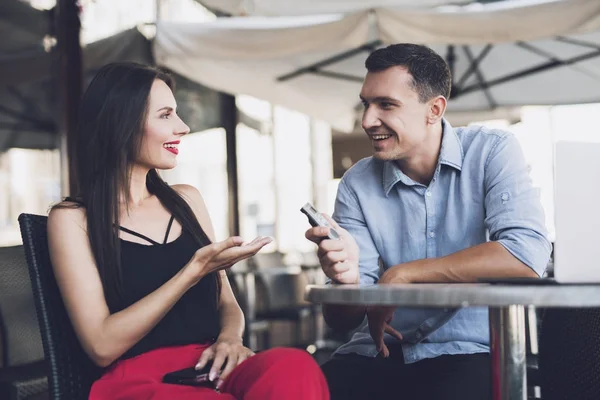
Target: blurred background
285	157
270	90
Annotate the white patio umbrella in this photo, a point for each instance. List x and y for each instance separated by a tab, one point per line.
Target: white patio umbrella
311	7
502	55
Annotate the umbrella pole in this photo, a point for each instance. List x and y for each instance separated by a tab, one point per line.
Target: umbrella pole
229	120
70	86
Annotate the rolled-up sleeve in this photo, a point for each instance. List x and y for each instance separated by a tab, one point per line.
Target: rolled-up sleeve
349	215
514	214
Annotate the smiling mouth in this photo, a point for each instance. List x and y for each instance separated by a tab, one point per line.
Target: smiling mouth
380	137
172	147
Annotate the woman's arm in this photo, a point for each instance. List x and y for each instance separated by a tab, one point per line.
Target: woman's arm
104	337
228	351
232	318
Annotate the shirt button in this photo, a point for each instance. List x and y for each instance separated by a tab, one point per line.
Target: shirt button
431	234
428	193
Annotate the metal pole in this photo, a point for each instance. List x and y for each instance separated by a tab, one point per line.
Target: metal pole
229	119
157	10
314	163
275	180
250	315
507	350
70	87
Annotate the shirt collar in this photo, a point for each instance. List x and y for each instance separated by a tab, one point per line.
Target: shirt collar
451	154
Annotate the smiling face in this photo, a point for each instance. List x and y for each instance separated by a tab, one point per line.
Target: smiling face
394	118
163	129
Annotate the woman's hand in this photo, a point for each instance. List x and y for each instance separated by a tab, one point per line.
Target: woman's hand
222	255
226	351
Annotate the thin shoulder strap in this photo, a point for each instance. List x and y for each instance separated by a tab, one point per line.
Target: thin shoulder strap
138	235
169	229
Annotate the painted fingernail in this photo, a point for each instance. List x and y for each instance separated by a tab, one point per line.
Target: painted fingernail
219	383
197	366
212	376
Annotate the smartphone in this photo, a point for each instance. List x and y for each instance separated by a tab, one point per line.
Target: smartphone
190	376
316	219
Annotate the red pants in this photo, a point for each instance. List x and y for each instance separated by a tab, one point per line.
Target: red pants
278	374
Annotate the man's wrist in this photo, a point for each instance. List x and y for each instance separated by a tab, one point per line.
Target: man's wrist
401	273
336	282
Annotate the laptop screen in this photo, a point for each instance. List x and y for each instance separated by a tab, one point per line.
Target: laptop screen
577	212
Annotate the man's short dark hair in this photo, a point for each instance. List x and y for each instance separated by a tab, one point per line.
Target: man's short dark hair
431	74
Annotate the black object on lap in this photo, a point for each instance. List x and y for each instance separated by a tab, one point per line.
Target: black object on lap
190	376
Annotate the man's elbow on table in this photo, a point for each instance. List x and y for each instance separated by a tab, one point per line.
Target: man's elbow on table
531	248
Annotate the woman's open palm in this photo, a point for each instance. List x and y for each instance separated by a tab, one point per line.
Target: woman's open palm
224	254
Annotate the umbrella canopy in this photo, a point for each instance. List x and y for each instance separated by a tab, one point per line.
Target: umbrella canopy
28	114
307	7
512	53
24	29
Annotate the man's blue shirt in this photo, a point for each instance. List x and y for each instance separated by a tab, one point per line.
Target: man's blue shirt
481	191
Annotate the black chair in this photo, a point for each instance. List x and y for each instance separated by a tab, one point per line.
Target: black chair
280	298
243	285
569	358
23	369
277	295
71	371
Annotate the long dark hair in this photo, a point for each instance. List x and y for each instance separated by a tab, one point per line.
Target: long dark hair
111	125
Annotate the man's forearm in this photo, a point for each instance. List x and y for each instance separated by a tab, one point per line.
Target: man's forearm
486	260
343	318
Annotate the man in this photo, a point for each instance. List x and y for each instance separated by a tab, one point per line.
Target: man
433	204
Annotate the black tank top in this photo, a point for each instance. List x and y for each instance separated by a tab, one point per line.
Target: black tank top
195	317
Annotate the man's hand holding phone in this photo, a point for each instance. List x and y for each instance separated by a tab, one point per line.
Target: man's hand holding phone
339	260
338	257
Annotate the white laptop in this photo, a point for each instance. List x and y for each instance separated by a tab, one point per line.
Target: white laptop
577	212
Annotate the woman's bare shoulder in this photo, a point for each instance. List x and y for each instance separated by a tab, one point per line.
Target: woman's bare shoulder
191	195
187	190
66	215
196	202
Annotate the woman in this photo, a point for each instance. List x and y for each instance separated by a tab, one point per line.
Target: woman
136	262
